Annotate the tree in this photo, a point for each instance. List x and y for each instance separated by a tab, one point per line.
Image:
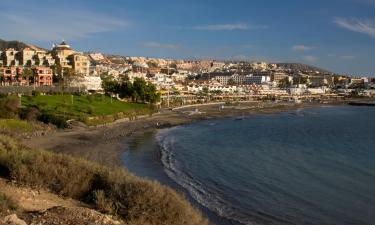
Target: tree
284	83
138	91
26	74
110	86
139	86
300	80
152	96
231	82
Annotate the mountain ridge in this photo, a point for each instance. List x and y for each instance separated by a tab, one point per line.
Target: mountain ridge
17	45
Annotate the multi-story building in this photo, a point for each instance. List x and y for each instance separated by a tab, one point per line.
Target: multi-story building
317	81
278	76
80	64
42	76
10	57
43	58
11	76
251	79
27	57
69	62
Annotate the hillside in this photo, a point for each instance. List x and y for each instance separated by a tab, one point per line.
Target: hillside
18	45
302	67
59	185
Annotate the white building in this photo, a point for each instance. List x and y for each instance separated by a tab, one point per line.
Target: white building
92	83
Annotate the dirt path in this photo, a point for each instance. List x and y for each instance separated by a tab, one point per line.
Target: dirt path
34	200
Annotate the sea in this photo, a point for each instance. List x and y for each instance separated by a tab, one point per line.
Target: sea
312	166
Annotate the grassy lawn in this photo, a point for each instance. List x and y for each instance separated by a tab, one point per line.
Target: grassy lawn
18	126
76	107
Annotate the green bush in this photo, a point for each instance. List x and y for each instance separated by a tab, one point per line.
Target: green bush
35	93
57	120
116	191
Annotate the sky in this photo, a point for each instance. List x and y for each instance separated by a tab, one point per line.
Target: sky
337	35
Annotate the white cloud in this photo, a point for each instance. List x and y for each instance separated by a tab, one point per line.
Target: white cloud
54	25
310	58
302	48
229	27
356	25
159	45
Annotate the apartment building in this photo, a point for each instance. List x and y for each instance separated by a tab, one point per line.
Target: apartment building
68	61
9	57
26	57
11	76
80	64
42	76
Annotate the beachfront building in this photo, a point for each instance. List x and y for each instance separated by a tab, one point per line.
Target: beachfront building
12	76
42	76
80	64
317	81
8	76
27	57
69	62
9	57
226	78
42	58
278	76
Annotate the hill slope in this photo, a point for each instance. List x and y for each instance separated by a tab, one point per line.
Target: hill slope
302	67
17	45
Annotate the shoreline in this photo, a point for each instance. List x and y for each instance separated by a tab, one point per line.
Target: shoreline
106	143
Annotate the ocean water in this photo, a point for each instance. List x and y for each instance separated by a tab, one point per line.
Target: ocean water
309	166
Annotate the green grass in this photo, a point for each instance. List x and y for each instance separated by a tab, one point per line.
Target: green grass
18	126
83	107
137	201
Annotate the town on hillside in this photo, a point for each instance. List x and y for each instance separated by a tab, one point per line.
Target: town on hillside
27	68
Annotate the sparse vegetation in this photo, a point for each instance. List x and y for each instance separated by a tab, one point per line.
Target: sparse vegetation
115	191
18	126
7	204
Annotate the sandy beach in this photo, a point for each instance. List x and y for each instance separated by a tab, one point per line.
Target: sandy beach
105	144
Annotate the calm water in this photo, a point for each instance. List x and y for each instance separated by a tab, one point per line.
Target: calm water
312	166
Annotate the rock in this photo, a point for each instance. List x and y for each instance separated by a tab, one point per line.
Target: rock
13	220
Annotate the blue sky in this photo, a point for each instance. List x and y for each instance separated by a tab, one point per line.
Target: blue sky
338	35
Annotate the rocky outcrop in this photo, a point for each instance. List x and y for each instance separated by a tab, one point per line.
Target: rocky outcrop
12	220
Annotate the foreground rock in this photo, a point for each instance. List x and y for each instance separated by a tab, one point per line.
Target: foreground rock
61	215
40	207
13	220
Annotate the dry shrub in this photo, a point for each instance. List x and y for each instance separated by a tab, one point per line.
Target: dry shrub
9	106
7	204
115	191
